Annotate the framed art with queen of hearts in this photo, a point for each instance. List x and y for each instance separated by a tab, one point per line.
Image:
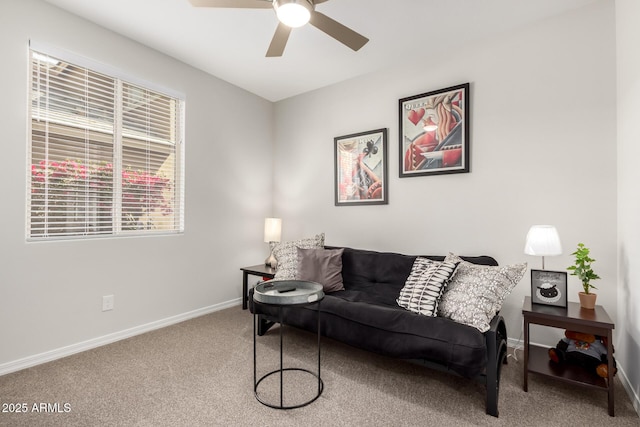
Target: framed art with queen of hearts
434	132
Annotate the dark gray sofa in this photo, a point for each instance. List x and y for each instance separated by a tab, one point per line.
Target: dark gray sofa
365	315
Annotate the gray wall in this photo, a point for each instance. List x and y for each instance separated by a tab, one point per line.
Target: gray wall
543	151
51	293
628	322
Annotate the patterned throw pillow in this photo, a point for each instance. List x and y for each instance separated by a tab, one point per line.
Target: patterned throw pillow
287	255
425	285
476	292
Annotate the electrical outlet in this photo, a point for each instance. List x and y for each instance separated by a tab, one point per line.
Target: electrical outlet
107	302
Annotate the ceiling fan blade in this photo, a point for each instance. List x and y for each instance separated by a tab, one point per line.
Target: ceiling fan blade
237	4
279	41
344	35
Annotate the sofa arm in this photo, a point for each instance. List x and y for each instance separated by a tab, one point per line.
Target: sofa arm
496	342
498	325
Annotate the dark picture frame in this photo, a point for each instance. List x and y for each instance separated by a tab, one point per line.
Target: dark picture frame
434	132
360	168
549	287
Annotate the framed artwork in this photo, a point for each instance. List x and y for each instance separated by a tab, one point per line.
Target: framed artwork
549	287
434	132
361	168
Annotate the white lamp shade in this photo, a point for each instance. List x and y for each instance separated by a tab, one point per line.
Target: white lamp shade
272	229
543	240
293	13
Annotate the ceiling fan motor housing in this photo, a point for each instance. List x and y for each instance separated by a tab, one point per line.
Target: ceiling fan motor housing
293	13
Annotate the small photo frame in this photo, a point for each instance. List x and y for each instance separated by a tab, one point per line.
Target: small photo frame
549	288
361	168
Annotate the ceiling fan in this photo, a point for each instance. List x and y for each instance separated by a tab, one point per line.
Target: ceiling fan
293	14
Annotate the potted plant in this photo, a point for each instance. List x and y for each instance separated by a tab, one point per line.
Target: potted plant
582	269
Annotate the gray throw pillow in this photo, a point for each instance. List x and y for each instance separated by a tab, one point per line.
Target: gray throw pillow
322	266
476	292
287	255
425	285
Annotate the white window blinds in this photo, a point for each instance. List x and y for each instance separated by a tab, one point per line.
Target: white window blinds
106	156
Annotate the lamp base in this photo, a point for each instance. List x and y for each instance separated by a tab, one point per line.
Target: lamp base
271	260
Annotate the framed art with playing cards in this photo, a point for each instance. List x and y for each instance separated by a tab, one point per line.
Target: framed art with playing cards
434	132
361	168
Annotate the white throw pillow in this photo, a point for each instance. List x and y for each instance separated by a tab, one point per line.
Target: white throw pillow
286	254
476	293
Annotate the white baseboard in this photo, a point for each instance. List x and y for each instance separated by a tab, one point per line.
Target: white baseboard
59	353
633	396
635	399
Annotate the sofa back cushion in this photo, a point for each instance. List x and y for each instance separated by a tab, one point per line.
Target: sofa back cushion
364	268
374	277
380	276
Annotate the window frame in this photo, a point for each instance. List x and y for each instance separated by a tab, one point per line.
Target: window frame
117	132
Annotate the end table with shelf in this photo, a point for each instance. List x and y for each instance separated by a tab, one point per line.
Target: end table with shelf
260	270
573	318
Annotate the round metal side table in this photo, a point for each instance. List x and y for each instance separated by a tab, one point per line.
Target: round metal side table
286	293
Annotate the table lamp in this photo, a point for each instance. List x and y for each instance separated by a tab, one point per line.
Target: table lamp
543	240
272	233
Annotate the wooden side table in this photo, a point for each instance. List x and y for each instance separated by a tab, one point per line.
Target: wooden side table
260	270
574	318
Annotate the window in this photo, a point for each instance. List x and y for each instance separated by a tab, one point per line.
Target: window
106	155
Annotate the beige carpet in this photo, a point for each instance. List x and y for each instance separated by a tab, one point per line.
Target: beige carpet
200	373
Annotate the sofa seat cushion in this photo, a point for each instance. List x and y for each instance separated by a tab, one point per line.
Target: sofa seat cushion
355	318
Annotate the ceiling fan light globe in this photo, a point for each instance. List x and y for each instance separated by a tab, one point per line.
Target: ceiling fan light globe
293	13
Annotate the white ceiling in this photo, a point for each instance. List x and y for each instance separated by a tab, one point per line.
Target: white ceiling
231	43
